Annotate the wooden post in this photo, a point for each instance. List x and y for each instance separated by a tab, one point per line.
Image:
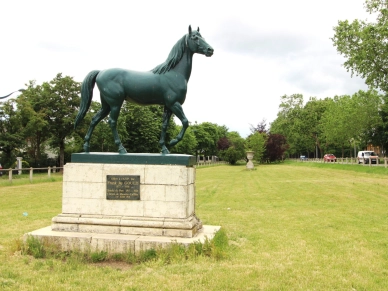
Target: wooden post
31	173
10	175
49	172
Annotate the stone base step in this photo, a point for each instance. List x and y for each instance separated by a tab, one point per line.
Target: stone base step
115	243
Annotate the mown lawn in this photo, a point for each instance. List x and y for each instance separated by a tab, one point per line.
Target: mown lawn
290	227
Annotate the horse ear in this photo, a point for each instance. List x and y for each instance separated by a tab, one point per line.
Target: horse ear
198	29
189	29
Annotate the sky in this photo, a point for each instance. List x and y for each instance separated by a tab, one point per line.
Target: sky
262	49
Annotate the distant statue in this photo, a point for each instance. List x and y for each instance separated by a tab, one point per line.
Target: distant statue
165	85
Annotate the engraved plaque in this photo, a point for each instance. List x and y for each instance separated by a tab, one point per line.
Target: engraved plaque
122	187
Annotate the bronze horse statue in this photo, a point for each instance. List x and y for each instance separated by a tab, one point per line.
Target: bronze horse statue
165	85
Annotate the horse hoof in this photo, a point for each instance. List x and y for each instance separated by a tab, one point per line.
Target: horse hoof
122	150
86	149
165	151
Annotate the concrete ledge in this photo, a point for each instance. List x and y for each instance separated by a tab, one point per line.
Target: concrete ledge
187	227
115	243
142	159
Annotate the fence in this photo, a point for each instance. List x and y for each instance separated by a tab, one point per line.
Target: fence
210	163
56	169
379	162
49	171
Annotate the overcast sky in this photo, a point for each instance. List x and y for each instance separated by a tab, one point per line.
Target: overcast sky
263	49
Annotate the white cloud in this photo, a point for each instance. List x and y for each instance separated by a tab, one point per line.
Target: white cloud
263	49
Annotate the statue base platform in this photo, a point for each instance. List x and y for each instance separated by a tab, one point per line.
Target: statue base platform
147	201
115	243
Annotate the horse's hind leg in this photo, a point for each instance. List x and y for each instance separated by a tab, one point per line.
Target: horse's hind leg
100	115
114	115
178	111
166	119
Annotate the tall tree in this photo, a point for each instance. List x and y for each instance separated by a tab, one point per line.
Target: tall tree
289	123
364	45
275	147
188	144
102	138
379	136
207	135
35	126
256	143
11	135
143	125
312	115
351	118
236	149
61	97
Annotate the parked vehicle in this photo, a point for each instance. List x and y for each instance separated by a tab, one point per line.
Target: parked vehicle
304	158
363	157
329	158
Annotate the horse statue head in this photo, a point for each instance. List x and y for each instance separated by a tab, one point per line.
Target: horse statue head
197	44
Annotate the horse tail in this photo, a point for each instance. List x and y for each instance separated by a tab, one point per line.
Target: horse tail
86	96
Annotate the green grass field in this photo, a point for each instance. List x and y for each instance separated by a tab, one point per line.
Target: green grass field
293	226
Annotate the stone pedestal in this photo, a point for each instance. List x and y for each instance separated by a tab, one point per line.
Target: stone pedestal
163	209
250	164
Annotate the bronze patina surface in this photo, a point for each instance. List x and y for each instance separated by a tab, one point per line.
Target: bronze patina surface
165	85
133	158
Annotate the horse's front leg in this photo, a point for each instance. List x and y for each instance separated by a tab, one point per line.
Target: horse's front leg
178	111
166	119
114	114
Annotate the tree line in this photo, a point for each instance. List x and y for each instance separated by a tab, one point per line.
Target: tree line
332	125
344	123
41	120
42	117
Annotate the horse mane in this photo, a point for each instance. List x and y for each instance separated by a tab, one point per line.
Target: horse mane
173	58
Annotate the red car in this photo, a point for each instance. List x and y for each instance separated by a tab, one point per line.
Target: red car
329	158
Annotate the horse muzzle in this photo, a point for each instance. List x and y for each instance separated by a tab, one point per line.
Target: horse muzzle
209	52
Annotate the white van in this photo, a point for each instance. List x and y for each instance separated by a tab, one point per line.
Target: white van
364	156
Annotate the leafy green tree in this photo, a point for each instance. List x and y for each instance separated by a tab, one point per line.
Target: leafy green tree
379	135
256	143
364	45
351	118
289	122
61	99
35	125
102	137
188	144
143	125
275	147
207	135
236	149
11	135
311	115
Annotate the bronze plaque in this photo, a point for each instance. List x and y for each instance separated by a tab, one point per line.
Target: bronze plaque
122	187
